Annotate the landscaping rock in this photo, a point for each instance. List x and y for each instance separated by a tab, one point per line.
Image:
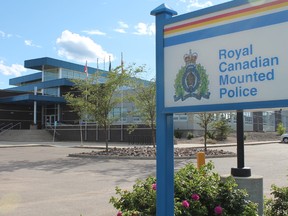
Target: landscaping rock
150	152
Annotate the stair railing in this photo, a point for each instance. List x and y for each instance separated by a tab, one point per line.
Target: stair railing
9	127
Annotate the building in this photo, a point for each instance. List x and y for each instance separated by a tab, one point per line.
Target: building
37	102
258	121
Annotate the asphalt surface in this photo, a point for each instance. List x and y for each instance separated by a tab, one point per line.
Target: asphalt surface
42	180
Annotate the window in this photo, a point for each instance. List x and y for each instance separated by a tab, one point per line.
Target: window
248	118
180	117
51	74
136	119
70	74
51	91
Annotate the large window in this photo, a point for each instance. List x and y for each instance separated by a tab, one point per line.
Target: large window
51	74
51	91
116	113
70	74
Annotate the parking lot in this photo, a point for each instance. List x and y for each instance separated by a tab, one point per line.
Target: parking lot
44	181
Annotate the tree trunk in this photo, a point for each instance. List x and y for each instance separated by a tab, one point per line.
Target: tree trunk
106	136
153	137
205	139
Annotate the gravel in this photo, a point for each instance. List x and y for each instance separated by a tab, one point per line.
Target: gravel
144	152
150	152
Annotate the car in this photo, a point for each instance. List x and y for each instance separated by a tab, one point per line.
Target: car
284	138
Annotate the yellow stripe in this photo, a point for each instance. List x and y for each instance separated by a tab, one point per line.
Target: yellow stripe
192	26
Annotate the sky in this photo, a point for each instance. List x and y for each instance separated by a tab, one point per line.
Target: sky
80	31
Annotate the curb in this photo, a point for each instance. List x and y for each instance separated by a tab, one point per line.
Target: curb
143	158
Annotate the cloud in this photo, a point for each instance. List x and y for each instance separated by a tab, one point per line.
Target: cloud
120	30
94	32
30	43
145	29
80	48
197	4
4	35
14	69
122	26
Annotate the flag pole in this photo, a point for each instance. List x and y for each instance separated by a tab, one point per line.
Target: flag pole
86	97
109	63
122	65
97	134
104	63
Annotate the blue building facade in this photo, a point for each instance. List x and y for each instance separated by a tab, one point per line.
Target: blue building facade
41	94
37	101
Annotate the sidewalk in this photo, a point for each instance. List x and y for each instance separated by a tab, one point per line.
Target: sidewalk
102	145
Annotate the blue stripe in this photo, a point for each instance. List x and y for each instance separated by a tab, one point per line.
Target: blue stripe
228	106
258	22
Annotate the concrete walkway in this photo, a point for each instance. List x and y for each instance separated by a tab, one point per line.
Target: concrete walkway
102	145
42	180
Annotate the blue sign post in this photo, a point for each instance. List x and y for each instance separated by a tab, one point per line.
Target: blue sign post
164	136
231	56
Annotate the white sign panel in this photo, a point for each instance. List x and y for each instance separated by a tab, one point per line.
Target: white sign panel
237	56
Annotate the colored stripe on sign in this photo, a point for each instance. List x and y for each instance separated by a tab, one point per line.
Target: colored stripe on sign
226	17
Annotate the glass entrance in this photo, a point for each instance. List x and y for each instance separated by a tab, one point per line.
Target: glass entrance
50	119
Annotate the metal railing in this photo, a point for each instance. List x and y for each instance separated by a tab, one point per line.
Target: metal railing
9	126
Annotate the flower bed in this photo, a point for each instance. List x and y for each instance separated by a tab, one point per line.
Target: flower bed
197	192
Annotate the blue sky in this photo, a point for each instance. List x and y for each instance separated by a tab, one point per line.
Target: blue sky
77	31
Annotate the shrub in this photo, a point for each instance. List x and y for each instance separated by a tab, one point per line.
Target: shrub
222	129
278	205
178	134
210	135
280	129
197	192
190	135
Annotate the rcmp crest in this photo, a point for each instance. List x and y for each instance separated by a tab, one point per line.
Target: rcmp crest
191	80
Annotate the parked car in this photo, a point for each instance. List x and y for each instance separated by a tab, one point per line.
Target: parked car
284	138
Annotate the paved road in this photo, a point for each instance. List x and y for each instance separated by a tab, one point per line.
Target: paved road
44	181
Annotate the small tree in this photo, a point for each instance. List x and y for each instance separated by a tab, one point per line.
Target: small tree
205	120
144	99
222	128
280	129
77	100
98	98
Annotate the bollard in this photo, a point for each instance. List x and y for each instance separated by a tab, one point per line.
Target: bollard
200	159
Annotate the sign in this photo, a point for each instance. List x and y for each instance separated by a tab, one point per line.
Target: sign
232	56
238	55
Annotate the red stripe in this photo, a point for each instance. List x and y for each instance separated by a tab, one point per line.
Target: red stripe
225	15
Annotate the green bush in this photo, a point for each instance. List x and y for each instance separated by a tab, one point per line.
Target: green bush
278	205
222	129
178	134
280	129
189	136
197	192
210	135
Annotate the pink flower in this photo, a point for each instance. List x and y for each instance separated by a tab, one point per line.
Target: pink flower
154	186
218	210
185	204
195	197
119	213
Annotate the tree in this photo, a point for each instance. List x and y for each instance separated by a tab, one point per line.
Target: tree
280	128
77	100
205	120
222	128
144	98
97	98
